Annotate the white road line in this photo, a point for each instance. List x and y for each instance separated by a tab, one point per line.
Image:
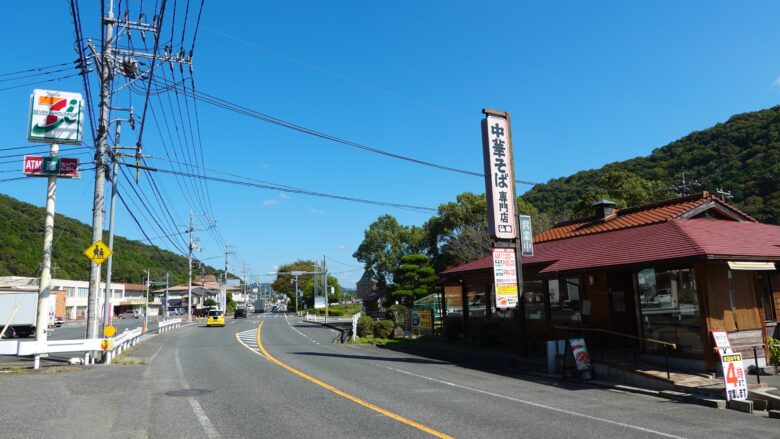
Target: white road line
255	349
205	423
536	404
299	332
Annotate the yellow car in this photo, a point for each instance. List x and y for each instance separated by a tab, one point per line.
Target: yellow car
215	318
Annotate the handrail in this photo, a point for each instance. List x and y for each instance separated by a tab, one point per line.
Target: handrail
607	331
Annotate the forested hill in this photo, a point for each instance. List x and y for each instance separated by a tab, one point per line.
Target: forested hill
741	155
21	249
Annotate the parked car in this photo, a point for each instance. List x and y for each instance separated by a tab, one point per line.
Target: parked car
58	321
129	314
240	313
216	318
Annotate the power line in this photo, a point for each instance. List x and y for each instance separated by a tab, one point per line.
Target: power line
295	190
36	69
40	82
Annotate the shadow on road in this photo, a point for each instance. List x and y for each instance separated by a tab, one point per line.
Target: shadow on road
374	358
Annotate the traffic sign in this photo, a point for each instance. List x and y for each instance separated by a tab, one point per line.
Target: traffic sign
109	331
98	252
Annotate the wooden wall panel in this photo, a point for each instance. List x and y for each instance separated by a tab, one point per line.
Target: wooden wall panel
719	315
748	314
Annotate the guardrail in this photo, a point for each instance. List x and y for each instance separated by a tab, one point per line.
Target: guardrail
120	343
167	325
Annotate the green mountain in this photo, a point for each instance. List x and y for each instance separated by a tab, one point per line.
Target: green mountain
21	249
740	156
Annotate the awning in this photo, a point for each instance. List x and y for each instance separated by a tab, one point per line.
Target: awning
741	265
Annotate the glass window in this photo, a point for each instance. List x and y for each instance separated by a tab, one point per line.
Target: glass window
70	291
478	298
564	298
534	300
453	300
670	309
83	292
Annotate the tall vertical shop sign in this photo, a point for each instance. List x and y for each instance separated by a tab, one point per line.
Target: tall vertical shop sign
499	175
55	117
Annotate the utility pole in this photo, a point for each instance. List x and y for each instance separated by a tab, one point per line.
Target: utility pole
146	308
107	307
189	266
44	286
109	61
165	305
105	71
325	285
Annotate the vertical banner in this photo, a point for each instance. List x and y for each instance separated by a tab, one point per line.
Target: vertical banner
734	376
499	176
526	236
505	275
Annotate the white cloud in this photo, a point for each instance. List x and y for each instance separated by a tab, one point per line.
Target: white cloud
284	196
270	202
776	83
341	247
316	211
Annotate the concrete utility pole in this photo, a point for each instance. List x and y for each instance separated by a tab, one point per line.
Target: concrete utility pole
146	308
189	266
106	58
325	285
44	286
165	305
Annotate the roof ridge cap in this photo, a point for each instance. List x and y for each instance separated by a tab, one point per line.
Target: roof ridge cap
679	200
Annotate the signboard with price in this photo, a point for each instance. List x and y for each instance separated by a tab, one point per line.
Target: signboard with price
734	376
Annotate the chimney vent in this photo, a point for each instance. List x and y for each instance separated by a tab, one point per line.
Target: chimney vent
604	209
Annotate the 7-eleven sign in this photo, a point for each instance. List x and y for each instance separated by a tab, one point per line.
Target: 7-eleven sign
55	117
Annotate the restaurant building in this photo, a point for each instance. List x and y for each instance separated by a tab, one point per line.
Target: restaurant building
672	271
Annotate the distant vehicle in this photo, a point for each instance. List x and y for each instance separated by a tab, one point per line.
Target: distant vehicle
259	305
26	305
240	313
58	321
216	318
129	314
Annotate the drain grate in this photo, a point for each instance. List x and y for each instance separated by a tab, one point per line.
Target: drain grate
187	392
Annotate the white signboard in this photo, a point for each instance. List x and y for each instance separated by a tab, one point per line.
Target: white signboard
505	275
55	117
722	341
734	376
499	177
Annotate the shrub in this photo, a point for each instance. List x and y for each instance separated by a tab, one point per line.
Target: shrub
397	313
453	327
774	351
365	326
383	329
336	312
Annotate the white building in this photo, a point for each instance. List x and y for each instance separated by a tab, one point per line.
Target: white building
123	296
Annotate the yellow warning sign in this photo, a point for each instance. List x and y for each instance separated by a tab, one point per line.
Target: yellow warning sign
98	252
109	331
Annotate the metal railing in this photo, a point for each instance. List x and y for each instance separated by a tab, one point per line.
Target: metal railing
666	345
167	325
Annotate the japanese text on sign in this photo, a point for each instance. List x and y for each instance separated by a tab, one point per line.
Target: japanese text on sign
499	177
734	376
505	275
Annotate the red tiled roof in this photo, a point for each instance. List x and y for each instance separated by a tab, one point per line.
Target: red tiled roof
669	240
635	217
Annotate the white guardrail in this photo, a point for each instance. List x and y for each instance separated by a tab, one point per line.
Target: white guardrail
111	346
315	318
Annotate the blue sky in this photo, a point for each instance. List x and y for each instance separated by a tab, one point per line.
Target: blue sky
587	83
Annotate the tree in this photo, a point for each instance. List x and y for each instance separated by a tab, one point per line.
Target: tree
308	290
284	282
458	233
414	279
209	302
384	243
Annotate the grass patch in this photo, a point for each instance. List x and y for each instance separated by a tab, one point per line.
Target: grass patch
379	341
125	359
13	368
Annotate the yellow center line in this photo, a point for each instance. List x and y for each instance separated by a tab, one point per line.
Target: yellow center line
346	395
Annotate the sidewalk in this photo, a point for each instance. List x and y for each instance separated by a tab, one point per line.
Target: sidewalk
689	388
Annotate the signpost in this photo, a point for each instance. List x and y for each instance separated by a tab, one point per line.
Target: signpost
54	117
503	224
526	235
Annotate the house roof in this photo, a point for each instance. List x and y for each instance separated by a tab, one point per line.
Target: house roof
666	241
668	210
135	287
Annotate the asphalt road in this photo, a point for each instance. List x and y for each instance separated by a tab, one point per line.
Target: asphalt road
217	382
